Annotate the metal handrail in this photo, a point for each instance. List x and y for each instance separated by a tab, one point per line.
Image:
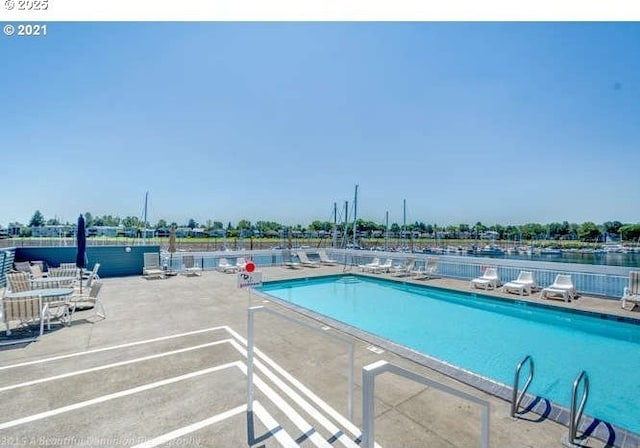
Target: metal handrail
576	415
515	398
251	349
369	374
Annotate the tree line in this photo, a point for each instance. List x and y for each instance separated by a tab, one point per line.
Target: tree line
586	231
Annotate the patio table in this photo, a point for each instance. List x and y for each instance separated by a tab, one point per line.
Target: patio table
53	297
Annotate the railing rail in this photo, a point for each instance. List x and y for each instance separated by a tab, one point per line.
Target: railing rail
369	374
251	344
516	398
576	411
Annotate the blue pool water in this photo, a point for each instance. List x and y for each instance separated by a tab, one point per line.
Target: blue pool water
489	337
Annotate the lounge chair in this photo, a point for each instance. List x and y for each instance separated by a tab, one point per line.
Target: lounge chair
524	283
562	286
152	268
190	268
304	260
370	266
241	263
632	291
488	280
404	269
226	267
324	259
427	271
287	261
384	267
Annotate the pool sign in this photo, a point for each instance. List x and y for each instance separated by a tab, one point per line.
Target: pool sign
247	279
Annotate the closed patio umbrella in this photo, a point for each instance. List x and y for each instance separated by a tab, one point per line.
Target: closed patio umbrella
81	242
172	245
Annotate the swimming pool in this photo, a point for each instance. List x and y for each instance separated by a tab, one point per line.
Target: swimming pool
489	337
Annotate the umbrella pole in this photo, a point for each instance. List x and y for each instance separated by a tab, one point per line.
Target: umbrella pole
80	281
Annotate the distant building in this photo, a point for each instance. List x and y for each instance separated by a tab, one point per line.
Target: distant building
57	231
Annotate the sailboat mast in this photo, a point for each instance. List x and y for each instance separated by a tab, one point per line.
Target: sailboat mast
355	215
144	219
335	224
386	232
346	223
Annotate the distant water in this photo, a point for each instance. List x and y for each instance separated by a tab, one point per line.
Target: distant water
631	259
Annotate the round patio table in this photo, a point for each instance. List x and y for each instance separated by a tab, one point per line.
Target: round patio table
45	293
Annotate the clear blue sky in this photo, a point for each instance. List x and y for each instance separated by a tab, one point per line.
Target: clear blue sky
494	122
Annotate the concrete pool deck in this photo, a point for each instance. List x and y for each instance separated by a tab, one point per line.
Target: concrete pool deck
167	368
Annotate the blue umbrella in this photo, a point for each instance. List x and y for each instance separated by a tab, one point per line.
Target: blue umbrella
81	241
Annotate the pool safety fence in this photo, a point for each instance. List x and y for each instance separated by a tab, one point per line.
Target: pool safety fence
596	280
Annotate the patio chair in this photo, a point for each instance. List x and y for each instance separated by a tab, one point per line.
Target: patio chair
22	266
226	267
26	311
427	271
190	268
632	291
324	259
152	267
304	260
92	298
384	267
241	263
370	266
404	269
67	276
488	280
562	286
19	281
524	283
90	276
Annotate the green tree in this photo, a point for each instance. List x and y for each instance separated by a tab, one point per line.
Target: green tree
588	231
192	224
37	219
53	222
630	231
161	224
88	219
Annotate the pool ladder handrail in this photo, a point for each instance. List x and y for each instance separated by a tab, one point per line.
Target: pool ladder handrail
516	398
576	413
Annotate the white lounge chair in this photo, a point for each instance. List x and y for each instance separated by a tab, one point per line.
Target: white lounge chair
304	260
241	263
226	267
402	270
632	291
370	266
488	280
427	271
384	267
562	286
152	268
189	264
324	259
524	283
